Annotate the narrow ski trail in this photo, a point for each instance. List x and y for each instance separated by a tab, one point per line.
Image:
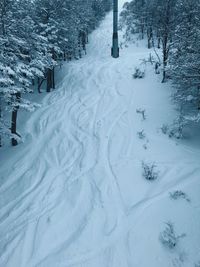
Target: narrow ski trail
72	195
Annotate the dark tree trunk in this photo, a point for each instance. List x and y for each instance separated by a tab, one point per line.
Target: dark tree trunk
70	56
49	80
0	120
14	119
87	34
158	45
198	107
38	87
79	47
150	37
83	41
165	56
53	78
142	31
53	71
158	40
65	56
40	84
164	73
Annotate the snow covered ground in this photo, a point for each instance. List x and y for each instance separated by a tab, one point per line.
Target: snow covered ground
73	194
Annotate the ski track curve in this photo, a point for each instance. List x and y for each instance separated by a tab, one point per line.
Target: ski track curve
70	181
32	199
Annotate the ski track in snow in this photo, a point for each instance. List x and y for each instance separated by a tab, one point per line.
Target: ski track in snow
65	205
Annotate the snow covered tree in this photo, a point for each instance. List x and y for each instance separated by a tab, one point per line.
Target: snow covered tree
175	25
34	37
16	69
134	17
164	24
156	18
185	59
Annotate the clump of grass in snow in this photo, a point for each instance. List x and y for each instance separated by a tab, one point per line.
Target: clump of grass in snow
168	236
141	134
149	171
138	74
179	194
142	112
165	129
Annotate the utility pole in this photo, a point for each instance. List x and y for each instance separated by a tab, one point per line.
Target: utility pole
115	46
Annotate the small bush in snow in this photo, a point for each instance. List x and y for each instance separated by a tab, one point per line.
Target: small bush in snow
141	134
142	112
138	74
168	237
197	264
177	127
165	128
149	171
179	194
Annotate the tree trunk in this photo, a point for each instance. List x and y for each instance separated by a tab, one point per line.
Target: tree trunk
142	31
0	122
79	47
87	38
65	56
158	43
150	37
53	78
198	107
14	119
164	73
53	71
83	40
165	57
158	40
49	80
40	84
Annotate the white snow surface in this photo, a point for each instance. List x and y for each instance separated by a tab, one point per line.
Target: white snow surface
73	194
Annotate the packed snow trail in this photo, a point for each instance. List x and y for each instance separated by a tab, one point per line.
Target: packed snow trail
73	194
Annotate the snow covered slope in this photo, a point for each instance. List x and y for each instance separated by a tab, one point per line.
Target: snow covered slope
74	194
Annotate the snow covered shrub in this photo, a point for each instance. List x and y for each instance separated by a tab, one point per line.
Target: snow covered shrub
149	171
142	112
197	264
138	74
179	194
168	236
141	134
177	127
165	128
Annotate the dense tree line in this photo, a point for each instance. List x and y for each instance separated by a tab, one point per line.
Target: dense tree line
174	27
34	37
